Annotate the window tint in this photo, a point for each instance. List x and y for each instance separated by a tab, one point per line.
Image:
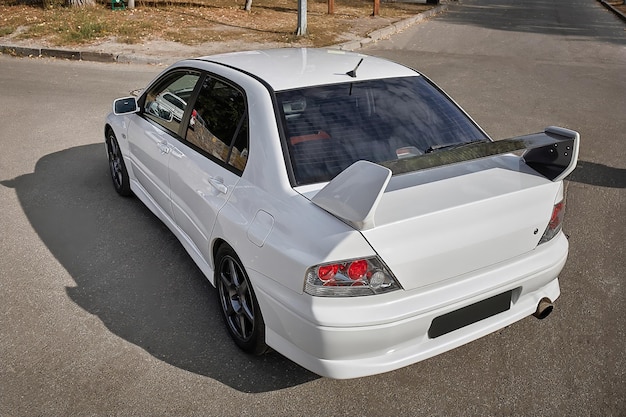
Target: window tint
219	123
166	102
330	127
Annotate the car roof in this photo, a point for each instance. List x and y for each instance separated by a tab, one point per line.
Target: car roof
289	68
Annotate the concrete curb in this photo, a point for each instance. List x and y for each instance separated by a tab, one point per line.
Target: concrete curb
57	53
617	12
383	33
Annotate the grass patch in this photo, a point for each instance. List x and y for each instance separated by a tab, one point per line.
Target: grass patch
7	30
84	32
67	27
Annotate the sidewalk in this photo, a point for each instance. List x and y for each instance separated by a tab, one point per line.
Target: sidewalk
165	53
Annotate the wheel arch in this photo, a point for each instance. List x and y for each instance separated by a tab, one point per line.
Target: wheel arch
107	128
233	293
215	247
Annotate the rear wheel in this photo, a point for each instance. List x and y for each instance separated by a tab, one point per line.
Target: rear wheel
240	308
119	174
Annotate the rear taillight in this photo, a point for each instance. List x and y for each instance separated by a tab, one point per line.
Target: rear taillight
556	222
350	278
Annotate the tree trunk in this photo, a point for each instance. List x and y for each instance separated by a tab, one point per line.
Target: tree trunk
81	3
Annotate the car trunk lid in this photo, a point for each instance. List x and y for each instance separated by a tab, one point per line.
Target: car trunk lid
436	230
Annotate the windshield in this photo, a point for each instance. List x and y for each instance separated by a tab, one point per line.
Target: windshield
330	127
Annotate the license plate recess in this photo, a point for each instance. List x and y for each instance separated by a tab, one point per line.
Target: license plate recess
470	314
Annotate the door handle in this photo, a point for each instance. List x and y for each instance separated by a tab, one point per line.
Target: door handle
160	143
218	184
176	152
163	147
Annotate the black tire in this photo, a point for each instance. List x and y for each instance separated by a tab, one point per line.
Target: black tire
240	308
119	174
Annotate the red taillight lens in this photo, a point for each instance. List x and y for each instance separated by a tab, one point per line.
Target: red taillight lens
357	269
327	272
557	216
555	224
350	278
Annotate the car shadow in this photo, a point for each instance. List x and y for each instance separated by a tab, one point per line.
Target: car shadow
599	175
132	272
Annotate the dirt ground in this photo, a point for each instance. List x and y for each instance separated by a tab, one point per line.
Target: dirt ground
191	28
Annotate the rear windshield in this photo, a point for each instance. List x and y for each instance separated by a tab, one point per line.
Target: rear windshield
330	127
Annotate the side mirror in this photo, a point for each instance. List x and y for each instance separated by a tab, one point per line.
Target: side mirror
126	105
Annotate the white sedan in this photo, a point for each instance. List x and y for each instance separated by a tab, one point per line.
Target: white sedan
350	214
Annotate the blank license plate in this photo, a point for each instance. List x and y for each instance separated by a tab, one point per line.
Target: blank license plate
470	314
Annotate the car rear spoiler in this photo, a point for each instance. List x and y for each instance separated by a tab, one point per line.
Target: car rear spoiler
354	193
553	153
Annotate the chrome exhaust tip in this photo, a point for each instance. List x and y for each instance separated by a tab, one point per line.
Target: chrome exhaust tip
544	308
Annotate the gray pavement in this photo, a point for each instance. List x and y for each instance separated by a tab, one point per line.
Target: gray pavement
103	313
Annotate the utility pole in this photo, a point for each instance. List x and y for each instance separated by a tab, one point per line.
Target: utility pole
301	30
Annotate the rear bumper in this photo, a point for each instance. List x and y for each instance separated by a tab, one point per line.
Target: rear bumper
354	337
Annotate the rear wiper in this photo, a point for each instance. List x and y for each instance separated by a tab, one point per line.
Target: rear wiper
456	145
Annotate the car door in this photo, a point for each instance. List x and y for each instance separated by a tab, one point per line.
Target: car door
206	166
153	131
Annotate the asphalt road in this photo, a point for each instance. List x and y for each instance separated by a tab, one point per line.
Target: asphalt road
103	313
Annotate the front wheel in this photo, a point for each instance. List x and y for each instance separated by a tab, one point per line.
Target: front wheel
240	308
119	174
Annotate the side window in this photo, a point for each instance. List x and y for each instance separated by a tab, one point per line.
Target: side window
166	102
219	123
